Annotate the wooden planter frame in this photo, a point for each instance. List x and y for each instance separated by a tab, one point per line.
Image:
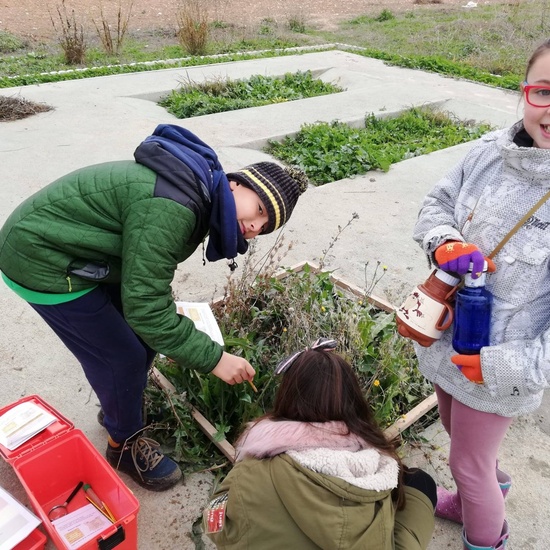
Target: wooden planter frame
392	431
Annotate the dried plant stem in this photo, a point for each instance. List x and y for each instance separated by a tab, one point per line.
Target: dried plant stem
192	19
70	36
334	239
112	42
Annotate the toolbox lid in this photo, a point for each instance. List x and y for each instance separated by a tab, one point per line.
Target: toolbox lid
59	427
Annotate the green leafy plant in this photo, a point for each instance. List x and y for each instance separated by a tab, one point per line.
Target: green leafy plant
385	15
331	151
265	316
215	96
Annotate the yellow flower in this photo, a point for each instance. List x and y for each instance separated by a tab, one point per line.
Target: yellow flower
385	267
323	309
376	382
284	329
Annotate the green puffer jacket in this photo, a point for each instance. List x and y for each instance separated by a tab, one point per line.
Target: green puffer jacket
123	217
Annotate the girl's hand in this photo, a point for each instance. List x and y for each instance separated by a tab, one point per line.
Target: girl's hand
233	370
469	366
456	256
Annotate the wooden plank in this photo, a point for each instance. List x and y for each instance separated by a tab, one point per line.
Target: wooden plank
412	416
223	445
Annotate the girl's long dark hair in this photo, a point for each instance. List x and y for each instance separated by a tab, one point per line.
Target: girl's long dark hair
320	386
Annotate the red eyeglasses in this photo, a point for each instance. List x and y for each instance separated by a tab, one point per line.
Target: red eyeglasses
537	96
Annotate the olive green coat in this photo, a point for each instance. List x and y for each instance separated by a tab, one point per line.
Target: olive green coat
316	485
277	504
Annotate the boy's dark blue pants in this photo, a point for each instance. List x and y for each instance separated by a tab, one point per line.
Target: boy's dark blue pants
115	360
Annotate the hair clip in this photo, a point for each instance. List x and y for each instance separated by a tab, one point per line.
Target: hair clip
321	344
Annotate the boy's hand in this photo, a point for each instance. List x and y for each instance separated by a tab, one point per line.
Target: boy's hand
456	256
233	370
469	366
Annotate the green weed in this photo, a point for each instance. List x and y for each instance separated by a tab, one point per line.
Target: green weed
194	99
296	23
329	151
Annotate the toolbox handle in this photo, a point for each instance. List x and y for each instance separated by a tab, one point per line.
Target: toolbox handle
112	540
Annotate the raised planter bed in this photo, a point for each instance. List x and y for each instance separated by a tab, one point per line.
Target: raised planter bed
405	421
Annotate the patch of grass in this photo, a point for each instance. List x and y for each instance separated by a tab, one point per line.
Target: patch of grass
481	44
493	39
25	67
385	15
439	64
10	43
88	72
195	99
331	151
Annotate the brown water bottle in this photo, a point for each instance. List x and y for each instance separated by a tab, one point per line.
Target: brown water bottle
428	310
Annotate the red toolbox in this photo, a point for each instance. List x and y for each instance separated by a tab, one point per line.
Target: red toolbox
35	541
54	461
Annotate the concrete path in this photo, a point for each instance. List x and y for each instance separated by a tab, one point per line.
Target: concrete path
105	118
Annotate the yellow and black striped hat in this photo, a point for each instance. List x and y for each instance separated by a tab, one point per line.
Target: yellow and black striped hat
278	187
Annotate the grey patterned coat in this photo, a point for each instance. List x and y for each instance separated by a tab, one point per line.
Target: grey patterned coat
479	201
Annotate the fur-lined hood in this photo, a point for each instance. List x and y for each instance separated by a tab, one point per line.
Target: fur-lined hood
326	448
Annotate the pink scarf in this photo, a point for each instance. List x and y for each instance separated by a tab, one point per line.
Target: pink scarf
269	438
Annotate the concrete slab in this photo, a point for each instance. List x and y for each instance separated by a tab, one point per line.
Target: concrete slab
105	118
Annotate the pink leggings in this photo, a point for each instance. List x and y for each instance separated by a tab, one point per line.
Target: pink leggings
475	440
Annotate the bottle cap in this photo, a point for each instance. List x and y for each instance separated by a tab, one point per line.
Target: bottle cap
471	267
469	281
447	278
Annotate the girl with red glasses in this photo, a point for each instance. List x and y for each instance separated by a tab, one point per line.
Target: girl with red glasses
462	220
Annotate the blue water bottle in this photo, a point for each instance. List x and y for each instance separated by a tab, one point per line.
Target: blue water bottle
472	320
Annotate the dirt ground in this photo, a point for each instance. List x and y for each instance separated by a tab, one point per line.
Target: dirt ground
31	19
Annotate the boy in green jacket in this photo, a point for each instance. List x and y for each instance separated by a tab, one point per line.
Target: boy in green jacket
94	254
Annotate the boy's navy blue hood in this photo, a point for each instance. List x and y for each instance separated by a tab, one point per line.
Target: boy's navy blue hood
189	172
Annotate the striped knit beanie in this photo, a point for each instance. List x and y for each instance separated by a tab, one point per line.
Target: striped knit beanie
277	187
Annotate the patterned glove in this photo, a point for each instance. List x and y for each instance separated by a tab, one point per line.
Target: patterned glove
456	256
469	366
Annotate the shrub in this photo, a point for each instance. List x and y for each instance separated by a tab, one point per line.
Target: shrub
192	20
296	23
70	36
